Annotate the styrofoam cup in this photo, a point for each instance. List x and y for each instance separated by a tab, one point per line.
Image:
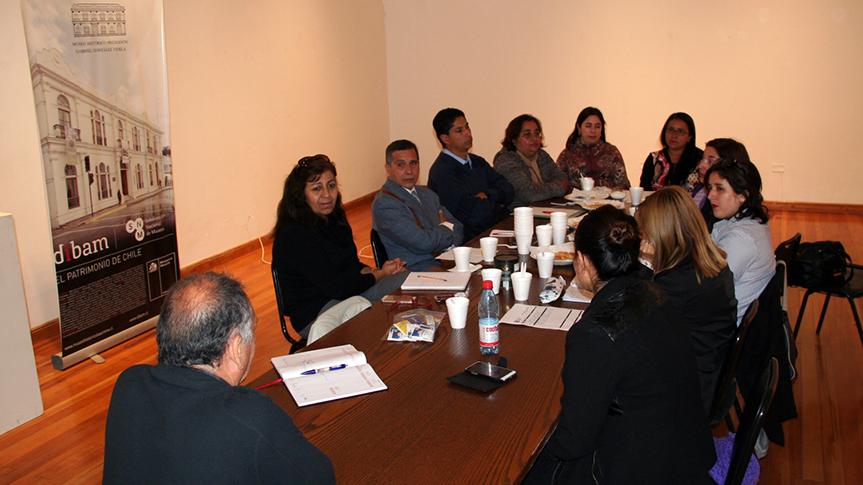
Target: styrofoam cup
493	275
545	263
461	255
521	285
489	248
456	308
543	235
635	194
522	242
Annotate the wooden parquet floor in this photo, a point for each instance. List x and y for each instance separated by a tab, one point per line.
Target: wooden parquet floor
65	444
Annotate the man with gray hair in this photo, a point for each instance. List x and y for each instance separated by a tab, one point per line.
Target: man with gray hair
187	420
410	219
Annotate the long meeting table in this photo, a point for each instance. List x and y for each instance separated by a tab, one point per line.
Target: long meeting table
423	429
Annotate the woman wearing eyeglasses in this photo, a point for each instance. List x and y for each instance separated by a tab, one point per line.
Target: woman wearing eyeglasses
526	166
741	230
675	163
314	248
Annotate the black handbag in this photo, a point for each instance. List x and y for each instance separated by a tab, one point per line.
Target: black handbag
819	264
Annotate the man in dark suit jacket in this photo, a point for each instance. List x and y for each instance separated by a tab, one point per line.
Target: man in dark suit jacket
187	419
409	218
466	184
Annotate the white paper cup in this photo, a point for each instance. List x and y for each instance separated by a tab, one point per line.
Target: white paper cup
456	308
522	212
543	235
558	217
493	275
521	285
635	194
558	234
489	248
586	183
545	263
522	242
462	258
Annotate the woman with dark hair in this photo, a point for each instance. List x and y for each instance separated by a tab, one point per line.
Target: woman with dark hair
314	249
630	411
675	163
587	154
526	166
692	271
726	148
741	230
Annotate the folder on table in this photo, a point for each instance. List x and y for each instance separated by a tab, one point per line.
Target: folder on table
436	280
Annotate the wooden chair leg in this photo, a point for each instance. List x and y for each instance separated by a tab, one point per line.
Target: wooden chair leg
800	313
856	318
823	312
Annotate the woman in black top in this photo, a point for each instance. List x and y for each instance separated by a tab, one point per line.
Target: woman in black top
692	270
630	411
675	163
314	248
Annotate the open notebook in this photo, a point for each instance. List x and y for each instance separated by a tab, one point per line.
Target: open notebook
327	374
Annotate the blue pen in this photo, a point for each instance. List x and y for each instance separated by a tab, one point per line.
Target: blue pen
325	369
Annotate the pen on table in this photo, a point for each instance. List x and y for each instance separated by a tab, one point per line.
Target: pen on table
269	384
325	369
430	277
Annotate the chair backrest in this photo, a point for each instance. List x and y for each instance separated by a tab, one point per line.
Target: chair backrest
786	251
726	388
378	249
288	329
750	424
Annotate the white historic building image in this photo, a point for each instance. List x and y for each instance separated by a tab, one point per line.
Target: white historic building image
97	154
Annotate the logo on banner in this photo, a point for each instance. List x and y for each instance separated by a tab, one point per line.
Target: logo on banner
136	226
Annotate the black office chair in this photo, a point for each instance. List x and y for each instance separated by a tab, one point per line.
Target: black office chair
751	422
726	389
291	335
378	249
850	289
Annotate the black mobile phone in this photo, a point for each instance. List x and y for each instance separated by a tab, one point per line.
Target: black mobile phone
491	371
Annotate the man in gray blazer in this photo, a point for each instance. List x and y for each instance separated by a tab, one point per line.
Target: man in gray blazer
412	223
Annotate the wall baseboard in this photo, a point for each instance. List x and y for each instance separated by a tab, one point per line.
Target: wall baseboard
815	207
360	201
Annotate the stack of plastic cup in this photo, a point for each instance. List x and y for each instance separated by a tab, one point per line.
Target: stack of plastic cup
523	228
558	227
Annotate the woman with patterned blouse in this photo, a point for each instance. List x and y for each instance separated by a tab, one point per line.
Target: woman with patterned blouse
587	154
676	163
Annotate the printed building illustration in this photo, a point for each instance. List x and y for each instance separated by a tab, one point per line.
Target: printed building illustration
96	153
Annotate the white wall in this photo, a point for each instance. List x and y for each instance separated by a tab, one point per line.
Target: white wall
253	86
783	77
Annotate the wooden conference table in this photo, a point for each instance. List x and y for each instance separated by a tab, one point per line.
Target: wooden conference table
423	429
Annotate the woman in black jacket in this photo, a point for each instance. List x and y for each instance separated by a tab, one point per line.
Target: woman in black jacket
630	411
692	270
314	248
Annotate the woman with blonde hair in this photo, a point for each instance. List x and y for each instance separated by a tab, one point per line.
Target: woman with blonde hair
692	270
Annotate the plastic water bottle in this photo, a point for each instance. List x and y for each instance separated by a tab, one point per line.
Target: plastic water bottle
489	314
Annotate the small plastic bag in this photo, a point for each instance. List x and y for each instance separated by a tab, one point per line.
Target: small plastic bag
414	325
